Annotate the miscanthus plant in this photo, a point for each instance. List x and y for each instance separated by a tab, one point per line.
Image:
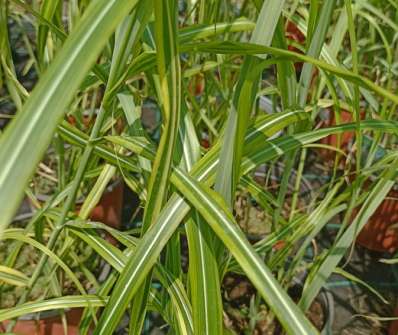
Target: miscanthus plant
205	65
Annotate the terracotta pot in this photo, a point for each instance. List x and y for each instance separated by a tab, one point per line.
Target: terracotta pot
109	208
393	329
294	34
378	233
47	325
87	120
346	138
196	85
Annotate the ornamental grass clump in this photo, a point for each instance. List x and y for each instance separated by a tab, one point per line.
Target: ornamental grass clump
212	114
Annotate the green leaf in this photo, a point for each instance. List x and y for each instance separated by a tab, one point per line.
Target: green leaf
25	140
217	215
47	11
203	272
335	254
118	259
169	91
252	49
243	102
153	242
18	234
13	277
355	279
65	302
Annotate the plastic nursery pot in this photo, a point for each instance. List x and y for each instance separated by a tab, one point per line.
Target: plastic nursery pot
393	328
326	301
46	323
379	233
322	310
